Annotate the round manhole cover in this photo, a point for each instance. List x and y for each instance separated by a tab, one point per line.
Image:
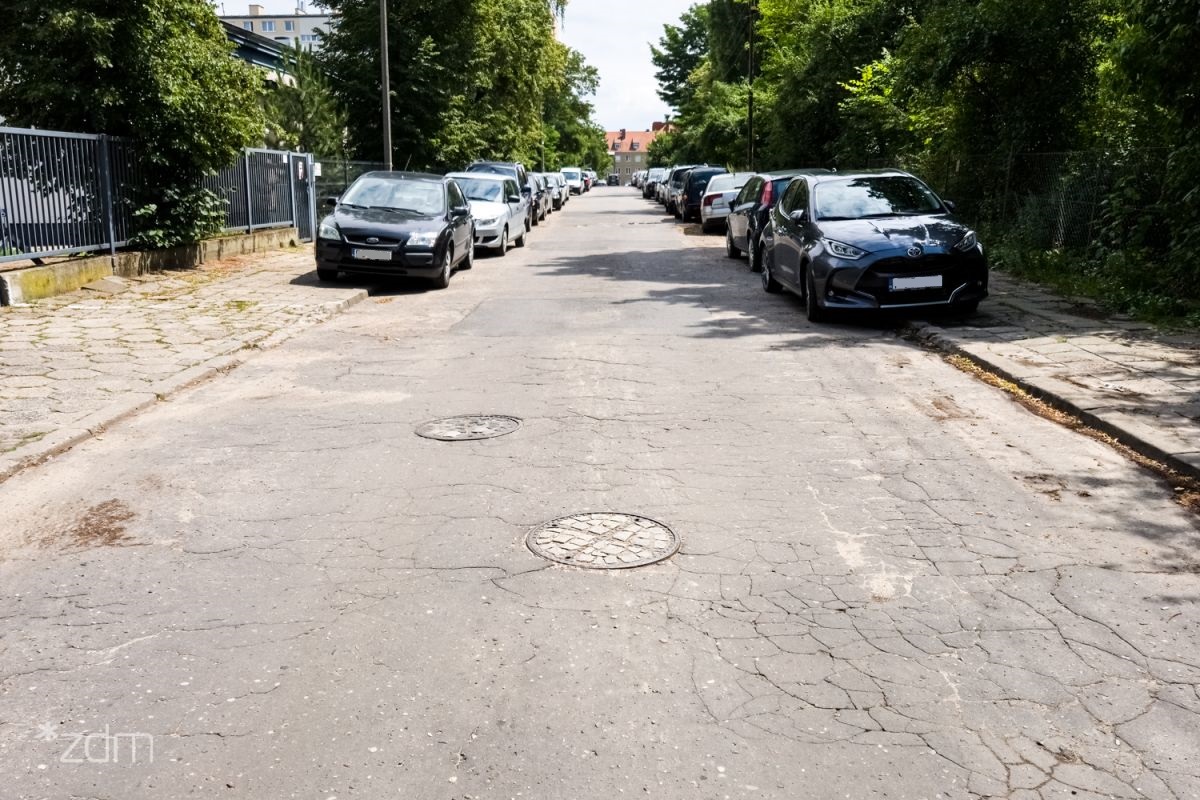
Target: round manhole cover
603	541
462	429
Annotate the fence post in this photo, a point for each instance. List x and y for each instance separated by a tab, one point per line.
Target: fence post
291	165
106	194
249	203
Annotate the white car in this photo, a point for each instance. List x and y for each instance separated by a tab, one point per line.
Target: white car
497	207
574	176
559	193
717	199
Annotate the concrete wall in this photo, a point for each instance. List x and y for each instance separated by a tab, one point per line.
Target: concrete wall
35	283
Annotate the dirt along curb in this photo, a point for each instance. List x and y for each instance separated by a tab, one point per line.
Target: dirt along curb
1141	443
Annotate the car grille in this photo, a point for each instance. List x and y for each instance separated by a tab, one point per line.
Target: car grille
361	239
955	270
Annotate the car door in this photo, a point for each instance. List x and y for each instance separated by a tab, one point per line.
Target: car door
516	210
739	215
460	223
787	233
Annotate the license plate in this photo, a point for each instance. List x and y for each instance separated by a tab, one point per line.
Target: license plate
374	255
920	282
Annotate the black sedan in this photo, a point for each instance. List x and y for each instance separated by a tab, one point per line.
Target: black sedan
398	223
871	240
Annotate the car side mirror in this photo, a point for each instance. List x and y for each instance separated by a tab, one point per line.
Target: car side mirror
514	198
329	202
460	212
799	216
949	204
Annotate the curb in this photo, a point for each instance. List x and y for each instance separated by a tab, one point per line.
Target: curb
932	336
60	441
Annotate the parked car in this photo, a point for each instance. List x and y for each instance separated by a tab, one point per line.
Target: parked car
514	170
879	239
541	197
673	184
397	223
751	211
557	186
651	184
613	180
589	179
718	196
574	176
498	209
687	203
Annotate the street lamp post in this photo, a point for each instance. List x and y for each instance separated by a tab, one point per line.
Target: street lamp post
386	82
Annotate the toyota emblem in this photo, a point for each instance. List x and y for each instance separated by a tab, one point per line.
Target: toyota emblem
916	251
375	240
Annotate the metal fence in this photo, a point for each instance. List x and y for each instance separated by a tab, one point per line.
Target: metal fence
338	173
67	193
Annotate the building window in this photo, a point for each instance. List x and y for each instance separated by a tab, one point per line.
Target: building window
308	38
268	26
289	25
248	26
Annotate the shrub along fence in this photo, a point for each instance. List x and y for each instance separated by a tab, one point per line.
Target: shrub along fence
68	193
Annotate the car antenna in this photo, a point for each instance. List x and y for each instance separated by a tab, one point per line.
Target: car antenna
407	162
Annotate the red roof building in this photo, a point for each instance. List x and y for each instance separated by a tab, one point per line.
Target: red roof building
630	149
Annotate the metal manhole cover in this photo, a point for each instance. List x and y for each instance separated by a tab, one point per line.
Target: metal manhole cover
468	428
603	541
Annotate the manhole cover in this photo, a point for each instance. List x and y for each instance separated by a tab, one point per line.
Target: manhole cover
603	541
462	429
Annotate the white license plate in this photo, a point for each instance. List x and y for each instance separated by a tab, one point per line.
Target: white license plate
921	282
377	255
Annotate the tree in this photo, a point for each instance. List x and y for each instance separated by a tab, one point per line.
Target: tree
680	51
302	112
159	71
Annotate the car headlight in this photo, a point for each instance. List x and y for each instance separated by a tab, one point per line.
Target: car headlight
485	223
968	242
328	230
844	250
428	239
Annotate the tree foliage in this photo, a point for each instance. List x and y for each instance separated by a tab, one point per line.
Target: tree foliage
159	71
302	112
495	83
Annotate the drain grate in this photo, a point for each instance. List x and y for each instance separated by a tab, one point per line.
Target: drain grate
468	428
603	541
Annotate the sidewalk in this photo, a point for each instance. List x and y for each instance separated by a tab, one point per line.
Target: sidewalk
1122	377
69	365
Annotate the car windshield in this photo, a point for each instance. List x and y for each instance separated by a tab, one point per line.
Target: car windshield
419	197
571	174
482	189
871	196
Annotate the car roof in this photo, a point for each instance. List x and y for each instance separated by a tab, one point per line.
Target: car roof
397	175
865	173
481	176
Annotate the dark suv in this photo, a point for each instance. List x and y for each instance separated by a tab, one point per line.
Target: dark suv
693	192
517	171
672	184
750	211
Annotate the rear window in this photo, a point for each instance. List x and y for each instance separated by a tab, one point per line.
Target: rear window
726	183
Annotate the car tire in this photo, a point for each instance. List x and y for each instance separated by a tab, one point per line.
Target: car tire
967	309
503	242
327	275
520	242
528	225
770	285
812	309
731	250
754	258
443	278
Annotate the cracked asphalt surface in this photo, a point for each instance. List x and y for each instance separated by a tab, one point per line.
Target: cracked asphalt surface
894	582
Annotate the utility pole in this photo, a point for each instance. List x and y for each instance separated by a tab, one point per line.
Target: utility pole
750	81
386	84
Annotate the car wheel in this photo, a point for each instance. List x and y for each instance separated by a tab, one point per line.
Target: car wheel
443	278
327	275
968	308
521	241
528	224
770	285
755	257
730	249
812	309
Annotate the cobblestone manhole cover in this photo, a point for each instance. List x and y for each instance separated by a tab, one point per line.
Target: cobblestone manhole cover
603	541
462	429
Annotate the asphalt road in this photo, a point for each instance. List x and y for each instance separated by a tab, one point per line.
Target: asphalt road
893	581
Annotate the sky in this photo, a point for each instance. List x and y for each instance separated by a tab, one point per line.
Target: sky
613	35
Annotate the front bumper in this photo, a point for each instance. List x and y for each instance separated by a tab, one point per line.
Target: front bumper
870	283
489	237
404	263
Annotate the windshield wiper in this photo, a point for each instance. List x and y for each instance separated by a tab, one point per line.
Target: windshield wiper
396	210
351	205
